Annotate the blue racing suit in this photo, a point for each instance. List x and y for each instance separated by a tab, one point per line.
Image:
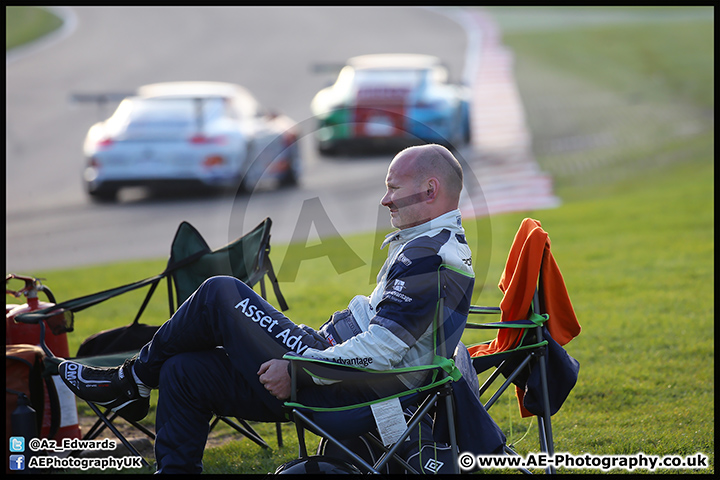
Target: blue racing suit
205	359
395	323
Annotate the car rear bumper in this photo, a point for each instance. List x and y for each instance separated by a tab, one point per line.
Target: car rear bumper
420	125
162	184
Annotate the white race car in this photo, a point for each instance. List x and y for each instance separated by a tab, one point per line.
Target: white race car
391	98
190	134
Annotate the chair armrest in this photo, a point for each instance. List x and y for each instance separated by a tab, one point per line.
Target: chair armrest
327	370
81	303
535	320
478	309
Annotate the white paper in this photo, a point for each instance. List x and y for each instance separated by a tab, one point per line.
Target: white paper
389	419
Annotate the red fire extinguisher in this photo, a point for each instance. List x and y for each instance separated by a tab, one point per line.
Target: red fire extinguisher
55	340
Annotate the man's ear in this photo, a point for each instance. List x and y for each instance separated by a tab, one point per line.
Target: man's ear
432	189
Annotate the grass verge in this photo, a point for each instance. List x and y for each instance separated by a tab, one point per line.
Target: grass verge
639	267
25	24
634	240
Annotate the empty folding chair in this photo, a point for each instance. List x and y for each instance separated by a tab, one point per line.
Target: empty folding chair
537	319
191	262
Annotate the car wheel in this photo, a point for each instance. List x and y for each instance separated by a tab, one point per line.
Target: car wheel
103	195
465	122
458	131
292	177
327	148
247	185
467	136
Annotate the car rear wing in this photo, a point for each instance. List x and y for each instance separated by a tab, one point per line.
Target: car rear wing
100	98
103	99
326	68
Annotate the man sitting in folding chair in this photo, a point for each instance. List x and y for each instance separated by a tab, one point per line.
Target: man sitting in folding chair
247	377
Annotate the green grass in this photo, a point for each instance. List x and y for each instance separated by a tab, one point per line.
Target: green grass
639	267
634	239
671	59
24	24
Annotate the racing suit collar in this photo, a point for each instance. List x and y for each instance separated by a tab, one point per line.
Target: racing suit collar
451	220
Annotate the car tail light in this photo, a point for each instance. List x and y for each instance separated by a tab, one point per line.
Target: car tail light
105	143
279	166
93	163
203	139
289	138
213	161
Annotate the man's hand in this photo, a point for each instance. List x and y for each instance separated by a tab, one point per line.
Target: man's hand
274	376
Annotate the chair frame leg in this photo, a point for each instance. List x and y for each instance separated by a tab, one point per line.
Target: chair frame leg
301	419
108	423
279	434
544	422
244	429
507	382
451	427
99	426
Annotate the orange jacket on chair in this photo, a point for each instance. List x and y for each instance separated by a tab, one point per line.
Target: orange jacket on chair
529	257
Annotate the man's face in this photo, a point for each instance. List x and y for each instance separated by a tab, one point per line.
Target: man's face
405	196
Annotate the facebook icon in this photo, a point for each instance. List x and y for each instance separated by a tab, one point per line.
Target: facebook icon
17	462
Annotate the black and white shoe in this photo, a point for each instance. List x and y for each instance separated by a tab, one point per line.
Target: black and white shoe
113	388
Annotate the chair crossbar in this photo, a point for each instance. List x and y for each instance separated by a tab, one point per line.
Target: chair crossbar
244	429
509	451
479	309
376	441
519	324
108	423
505	384
302	422
112	417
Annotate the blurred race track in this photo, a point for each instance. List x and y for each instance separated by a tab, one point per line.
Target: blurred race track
51	223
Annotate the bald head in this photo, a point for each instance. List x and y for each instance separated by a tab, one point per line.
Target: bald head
434	160
423	182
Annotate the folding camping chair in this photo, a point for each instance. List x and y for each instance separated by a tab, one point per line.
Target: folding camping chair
435	395
191	262
536	311
537	319
337	424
